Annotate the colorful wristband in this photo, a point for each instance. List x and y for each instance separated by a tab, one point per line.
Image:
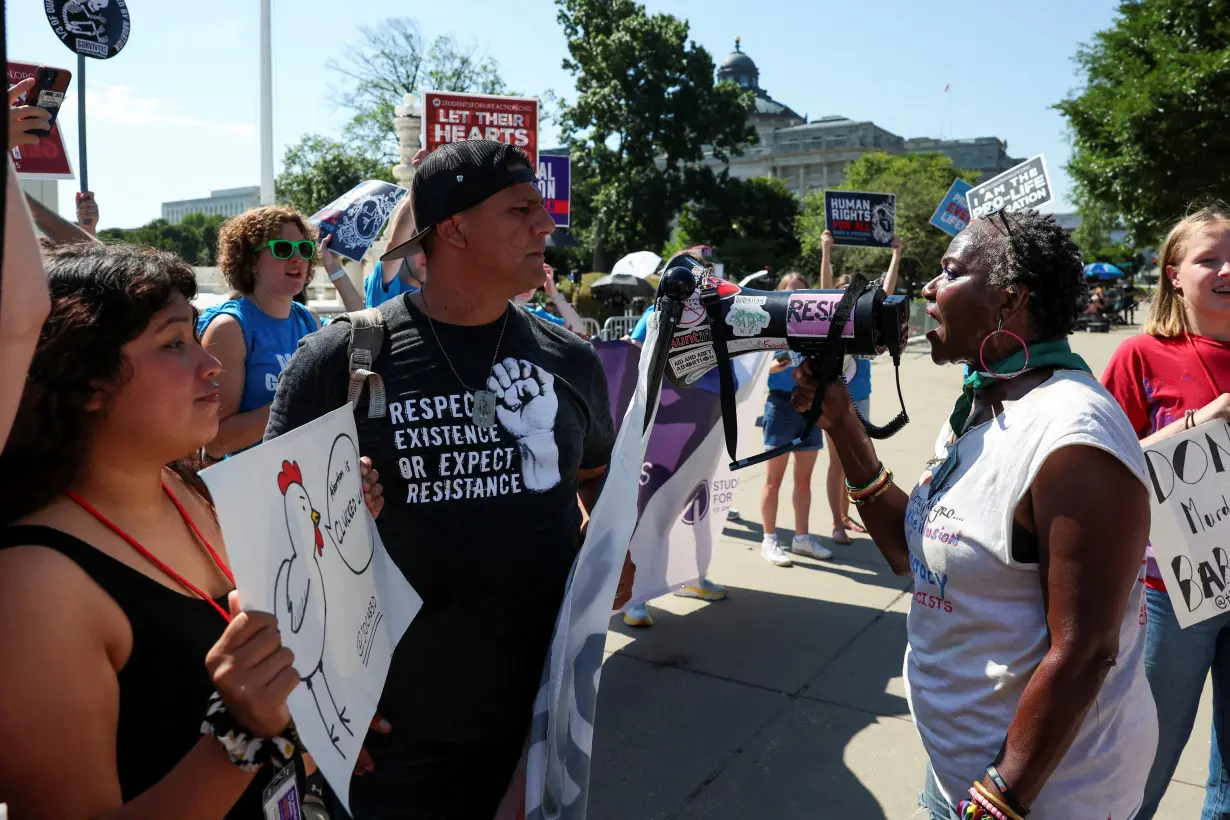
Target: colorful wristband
247	752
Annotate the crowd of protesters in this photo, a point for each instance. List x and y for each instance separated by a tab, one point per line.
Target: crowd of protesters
1045	668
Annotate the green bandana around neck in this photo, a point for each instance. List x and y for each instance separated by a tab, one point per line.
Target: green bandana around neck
1057	354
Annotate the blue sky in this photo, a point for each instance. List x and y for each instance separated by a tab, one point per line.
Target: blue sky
174	115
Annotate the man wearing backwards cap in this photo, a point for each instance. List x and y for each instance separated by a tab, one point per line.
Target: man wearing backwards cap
497	423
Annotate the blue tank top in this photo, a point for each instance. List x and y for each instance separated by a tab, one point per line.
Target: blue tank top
270	343
377	293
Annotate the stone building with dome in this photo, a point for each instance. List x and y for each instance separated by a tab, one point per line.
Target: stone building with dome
808	155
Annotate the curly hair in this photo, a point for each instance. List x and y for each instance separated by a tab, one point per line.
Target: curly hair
102	297
1031	250
242	238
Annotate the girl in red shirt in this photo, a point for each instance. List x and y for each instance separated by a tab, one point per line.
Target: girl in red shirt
1173	376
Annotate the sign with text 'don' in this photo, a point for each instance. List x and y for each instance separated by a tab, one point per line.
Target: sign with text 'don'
1026	186
451	116
1189	488
860	218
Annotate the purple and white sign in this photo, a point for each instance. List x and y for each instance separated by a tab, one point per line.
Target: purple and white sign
810	314
555	185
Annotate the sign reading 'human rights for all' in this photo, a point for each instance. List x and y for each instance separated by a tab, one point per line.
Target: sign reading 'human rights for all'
451	116
861	218
1025	186
1189	487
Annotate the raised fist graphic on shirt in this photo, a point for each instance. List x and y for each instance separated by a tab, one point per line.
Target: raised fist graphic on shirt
525	406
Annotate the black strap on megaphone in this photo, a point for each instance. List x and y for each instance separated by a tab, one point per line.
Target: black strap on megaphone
826	368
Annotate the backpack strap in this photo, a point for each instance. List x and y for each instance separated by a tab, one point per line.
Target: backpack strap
366	339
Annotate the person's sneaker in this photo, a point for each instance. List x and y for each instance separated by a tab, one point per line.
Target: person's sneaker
733	515
706	590
772	552
810	546
638	615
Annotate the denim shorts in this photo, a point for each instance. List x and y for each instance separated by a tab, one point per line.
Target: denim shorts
783	424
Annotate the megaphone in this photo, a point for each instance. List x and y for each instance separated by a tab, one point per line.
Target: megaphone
706	320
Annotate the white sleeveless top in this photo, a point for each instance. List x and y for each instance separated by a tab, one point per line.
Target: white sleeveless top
977	625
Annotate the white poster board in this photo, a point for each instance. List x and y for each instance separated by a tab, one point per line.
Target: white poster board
1189	488
303	546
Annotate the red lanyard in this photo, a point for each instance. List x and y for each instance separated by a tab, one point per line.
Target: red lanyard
1207	374
149	556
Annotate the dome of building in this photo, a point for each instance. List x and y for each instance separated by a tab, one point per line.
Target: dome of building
739	69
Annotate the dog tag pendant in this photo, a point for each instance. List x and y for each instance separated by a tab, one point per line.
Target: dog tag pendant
484	409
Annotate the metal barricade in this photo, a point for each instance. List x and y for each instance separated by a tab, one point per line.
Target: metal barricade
618	327
592	328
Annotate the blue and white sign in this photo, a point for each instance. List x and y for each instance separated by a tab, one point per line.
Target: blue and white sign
555	185
355	218
953	213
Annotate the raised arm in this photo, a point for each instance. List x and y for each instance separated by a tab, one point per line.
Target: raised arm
1091	516
826	260
24	303
57	228
352	300
890	279
572	319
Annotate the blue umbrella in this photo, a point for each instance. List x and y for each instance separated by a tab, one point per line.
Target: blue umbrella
1103	270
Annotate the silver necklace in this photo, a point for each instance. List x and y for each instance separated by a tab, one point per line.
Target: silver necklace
483	414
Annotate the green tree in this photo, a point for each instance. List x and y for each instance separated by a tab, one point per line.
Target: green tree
920	182
1150	128
194	239
647	109
393	59
317	170
750	224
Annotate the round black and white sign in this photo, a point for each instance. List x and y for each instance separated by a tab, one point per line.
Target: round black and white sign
92	28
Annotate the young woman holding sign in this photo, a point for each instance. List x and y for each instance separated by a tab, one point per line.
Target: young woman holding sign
1170	378
134	685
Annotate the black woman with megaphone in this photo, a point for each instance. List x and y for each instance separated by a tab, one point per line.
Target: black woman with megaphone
1025	535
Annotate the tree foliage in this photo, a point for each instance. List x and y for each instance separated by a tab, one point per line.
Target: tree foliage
317	170
393	59
920	182
1151	126
647	109
194	239
749	223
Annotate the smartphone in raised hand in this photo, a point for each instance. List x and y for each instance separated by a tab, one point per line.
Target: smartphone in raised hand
50	85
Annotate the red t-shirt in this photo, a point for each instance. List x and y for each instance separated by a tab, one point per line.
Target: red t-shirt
1157	380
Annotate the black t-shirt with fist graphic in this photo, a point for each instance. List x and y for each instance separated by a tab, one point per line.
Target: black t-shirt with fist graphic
483	522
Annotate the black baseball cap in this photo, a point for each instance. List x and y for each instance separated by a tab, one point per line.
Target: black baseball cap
457	176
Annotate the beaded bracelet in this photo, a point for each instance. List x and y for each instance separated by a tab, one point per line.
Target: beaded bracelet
987	807
247	752
996	802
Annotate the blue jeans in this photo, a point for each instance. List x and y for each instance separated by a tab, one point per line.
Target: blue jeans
1177	661
932	799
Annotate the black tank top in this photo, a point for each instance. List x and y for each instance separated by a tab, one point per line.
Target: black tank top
164	687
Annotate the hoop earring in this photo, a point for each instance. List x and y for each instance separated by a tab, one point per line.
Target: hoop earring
982	359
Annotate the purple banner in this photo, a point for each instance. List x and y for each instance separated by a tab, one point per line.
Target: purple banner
555	185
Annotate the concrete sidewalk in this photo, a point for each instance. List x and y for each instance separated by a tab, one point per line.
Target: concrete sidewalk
786	700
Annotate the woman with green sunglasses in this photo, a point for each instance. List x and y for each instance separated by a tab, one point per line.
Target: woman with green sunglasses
266	255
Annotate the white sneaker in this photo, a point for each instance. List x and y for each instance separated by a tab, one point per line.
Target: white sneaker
772	552
810	546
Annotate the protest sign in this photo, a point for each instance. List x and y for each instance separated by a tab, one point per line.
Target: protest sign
297	531
451	116
1190	531
91	28
47	159
952	215
555	185
860	218
1025	186
354	219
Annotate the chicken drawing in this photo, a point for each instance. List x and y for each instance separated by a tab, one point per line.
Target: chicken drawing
299	599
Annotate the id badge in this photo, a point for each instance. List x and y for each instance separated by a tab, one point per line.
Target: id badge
281	796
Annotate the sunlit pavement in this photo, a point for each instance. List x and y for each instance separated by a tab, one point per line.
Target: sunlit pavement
785	700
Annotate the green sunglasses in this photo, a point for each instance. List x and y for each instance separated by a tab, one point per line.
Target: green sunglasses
284	248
